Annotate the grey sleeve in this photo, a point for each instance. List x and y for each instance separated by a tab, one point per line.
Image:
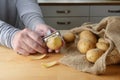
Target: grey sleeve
29	12
6	34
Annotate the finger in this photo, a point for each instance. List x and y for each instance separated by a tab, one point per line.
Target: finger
41	33
48	33
38	48
36	37
50	50
63	42
57	51
22	52
52	29
34	45
27	48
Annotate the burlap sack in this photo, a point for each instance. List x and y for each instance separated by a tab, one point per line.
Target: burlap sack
108	28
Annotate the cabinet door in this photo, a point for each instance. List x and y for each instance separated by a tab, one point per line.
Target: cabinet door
64	23
65	10
96	19
105	10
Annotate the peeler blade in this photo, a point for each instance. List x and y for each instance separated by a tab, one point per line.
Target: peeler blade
56	33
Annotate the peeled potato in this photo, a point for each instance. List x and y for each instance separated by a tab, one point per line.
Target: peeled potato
88	35
69	37
84	45
54	43
102	45
93	54
102	40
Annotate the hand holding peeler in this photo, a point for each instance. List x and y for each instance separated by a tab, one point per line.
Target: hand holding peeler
49	35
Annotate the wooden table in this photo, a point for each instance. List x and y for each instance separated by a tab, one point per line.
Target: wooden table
18	67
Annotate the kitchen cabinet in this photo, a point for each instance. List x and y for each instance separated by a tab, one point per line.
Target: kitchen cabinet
64	23
63	15
97	12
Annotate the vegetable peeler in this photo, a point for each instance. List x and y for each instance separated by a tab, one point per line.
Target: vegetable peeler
49	35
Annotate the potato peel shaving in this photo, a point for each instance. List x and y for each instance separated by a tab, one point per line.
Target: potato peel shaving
38	57
49	64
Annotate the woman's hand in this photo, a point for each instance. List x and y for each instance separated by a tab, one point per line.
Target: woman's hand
44	29
28	42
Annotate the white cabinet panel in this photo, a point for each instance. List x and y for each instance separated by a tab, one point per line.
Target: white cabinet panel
68	16
66	22
65	10
105	10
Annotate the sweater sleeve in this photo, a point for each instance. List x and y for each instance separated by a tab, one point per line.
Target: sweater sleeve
6	34
29	12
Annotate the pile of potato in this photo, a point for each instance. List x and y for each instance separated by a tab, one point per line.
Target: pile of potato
89	44
92	46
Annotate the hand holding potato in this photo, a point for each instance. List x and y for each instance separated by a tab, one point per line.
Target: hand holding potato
28	42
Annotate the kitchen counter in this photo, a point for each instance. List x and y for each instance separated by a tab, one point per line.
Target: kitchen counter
18	67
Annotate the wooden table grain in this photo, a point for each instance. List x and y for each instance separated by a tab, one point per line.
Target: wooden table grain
18	67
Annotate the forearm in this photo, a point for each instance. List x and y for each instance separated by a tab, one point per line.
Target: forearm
31	20
7	32
29	12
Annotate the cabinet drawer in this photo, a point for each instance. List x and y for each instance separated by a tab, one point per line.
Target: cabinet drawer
66	22
103	10
96	19
65	10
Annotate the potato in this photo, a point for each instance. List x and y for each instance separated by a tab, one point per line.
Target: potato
69	37
84	45
93	54
102	40
54	43
102	45
88	35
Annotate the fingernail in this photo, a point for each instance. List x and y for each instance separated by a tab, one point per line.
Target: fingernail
49	50
19	53
57	51
48	33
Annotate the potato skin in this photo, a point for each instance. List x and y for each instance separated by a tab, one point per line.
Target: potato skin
84	45
103	40
88	35
93	54
54	43
102	45
69	37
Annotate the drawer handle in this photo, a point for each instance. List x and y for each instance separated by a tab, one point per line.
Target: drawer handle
114	11
63	23
63	11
